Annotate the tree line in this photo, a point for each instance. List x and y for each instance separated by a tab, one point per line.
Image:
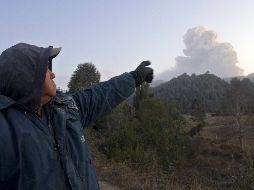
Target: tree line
216	95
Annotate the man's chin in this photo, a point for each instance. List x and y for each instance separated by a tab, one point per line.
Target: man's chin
54	94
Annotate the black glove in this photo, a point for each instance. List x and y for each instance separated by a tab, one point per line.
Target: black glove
143	73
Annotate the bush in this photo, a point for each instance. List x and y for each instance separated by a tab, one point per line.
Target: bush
153	134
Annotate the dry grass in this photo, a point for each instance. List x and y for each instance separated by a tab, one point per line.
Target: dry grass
131	176
214	161
222	129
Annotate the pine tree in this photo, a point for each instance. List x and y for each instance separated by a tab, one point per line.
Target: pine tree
83	77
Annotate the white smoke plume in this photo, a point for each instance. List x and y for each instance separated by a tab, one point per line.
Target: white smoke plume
204	53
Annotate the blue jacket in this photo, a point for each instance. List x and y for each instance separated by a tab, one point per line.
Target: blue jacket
36	156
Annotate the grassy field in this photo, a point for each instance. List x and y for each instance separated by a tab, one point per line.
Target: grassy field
224	130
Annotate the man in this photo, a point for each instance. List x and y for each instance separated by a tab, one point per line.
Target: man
41	132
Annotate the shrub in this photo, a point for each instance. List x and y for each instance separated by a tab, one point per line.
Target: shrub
153	133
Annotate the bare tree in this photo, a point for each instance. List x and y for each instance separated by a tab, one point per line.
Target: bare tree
240	100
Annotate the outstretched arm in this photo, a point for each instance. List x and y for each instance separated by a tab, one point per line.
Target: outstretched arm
101	98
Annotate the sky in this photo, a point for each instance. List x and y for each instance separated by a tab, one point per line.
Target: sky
177	36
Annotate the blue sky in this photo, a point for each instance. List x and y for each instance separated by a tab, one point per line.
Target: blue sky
117	35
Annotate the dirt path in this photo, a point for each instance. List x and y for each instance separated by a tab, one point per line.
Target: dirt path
107	186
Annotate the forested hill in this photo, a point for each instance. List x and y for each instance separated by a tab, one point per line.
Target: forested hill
184	90
249	76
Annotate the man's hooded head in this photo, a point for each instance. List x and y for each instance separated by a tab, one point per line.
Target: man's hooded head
22	72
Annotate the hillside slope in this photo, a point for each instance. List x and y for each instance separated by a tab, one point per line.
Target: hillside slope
184	89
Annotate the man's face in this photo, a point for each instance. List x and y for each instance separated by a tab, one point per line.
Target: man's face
49	87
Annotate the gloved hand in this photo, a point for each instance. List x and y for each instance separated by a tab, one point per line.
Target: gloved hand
143	73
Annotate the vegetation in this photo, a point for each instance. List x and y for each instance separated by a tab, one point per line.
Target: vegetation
84	76
166	139
151	135
239	101
184	89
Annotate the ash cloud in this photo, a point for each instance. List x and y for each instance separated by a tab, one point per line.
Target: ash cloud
204	53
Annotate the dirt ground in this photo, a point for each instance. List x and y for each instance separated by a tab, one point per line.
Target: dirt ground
223	130
107	186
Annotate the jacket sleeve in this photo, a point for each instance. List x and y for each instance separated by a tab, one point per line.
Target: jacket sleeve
101	98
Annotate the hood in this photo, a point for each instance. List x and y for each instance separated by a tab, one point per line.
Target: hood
22	73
